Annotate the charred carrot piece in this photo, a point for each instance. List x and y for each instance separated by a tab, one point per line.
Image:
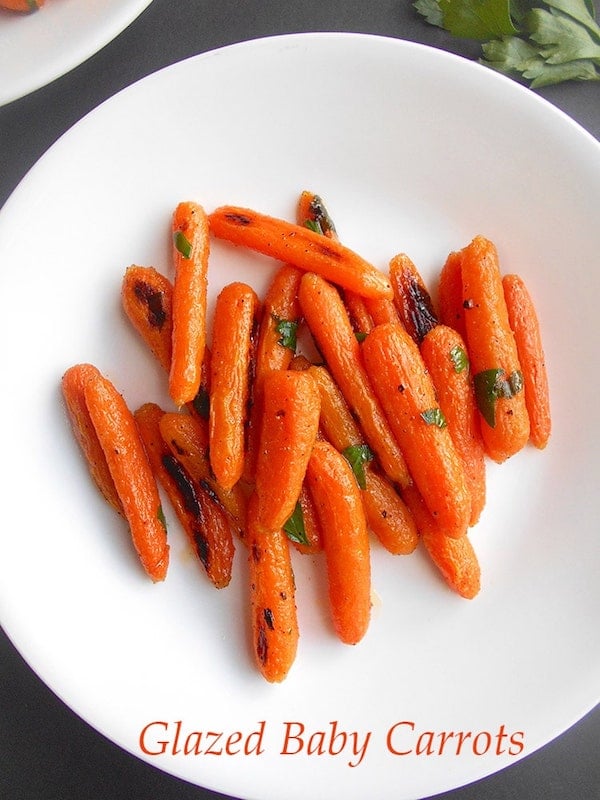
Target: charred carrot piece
387	515
345	541
401	381
203	521
73	383
272	598
302	248
288	431
450	300
131	472
445	355
234	324
187	438
411	297
276	345
147	298
525	325
329	325
190	255
497	372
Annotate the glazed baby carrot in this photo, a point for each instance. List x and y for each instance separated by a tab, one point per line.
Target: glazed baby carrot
131	472
411	297
525	325
387	515
400	379
445	355
73	383
272	598
147	298
187	438
203	520
289	428
345	541
451	310
276	345
329	325
234	323
303	248
22	5
190	256
497	373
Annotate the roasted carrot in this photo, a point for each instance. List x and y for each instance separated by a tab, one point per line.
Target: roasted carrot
312	213
130	470
387	515
311	540
204	521
276	345
274	619
22	5
497	373
328	322
191	247
525	325
457	562
345	541
411	297
187	438
73	384
147	298
445	355
234	324
288	431
451	310
405	390
382	310
297	245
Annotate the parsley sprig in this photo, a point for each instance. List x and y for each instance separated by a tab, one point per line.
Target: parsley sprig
542	42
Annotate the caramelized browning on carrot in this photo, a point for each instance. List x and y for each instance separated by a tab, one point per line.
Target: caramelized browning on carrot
147	298
289	428
202	518
300	247
407	395
190	255
445	355
493	353
131	472
328	321
345	541
411	297
234	324
272	594
525	325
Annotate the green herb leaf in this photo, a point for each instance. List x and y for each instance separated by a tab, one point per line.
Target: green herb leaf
182	244
357	455
459	358
313	225
434	416
490	385
294	527
432	12
288	330
161	517
360	336
321	216
477	19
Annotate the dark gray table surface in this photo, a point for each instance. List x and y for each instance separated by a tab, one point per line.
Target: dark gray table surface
46	751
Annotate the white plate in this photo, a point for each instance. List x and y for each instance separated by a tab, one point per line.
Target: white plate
414	150
37	48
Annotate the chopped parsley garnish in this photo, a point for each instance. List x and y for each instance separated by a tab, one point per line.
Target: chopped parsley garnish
357	455
294	527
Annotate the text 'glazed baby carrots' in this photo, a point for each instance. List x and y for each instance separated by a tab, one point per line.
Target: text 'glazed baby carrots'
300	247
190	248
130	470
407	395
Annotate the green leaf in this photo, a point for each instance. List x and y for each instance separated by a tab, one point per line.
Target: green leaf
313	225
161	517
360	336
432	12
287	329
434	416
459	358
294	527
561	38
477	19
490	385
579	10
357	455
182	244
